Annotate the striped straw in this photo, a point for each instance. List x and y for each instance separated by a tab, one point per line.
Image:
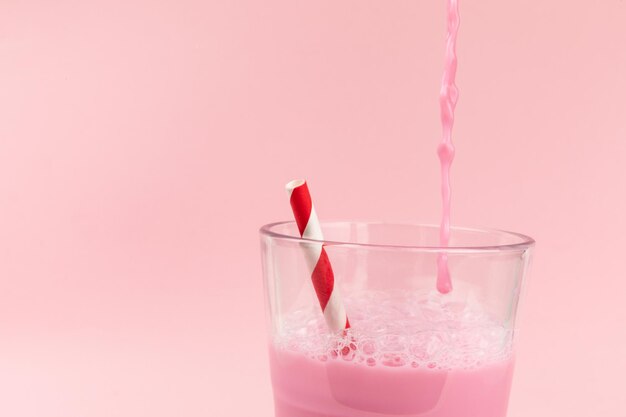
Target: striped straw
321	271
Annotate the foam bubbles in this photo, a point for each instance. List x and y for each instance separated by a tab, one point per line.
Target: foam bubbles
402	329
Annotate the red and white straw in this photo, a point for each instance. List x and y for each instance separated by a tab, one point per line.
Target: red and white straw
321	271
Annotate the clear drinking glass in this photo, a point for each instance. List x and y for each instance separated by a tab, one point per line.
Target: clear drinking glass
410	350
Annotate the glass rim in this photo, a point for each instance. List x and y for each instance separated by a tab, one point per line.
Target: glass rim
525	242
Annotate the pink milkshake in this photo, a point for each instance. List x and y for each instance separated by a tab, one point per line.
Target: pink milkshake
409	348
413	354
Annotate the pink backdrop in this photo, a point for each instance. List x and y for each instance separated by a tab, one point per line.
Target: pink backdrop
142	143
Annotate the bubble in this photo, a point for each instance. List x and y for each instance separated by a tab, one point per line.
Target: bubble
368	347
393	359
392	343
428	345
347	354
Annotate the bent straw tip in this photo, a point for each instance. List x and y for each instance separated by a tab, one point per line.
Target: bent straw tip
293	184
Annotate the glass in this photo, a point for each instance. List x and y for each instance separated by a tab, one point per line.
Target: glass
410	350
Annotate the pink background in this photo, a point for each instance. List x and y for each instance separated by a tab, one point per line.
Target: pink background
142	143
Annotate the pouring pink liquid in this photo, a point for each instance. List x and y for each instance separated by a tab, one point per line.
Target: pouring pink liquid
448	97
